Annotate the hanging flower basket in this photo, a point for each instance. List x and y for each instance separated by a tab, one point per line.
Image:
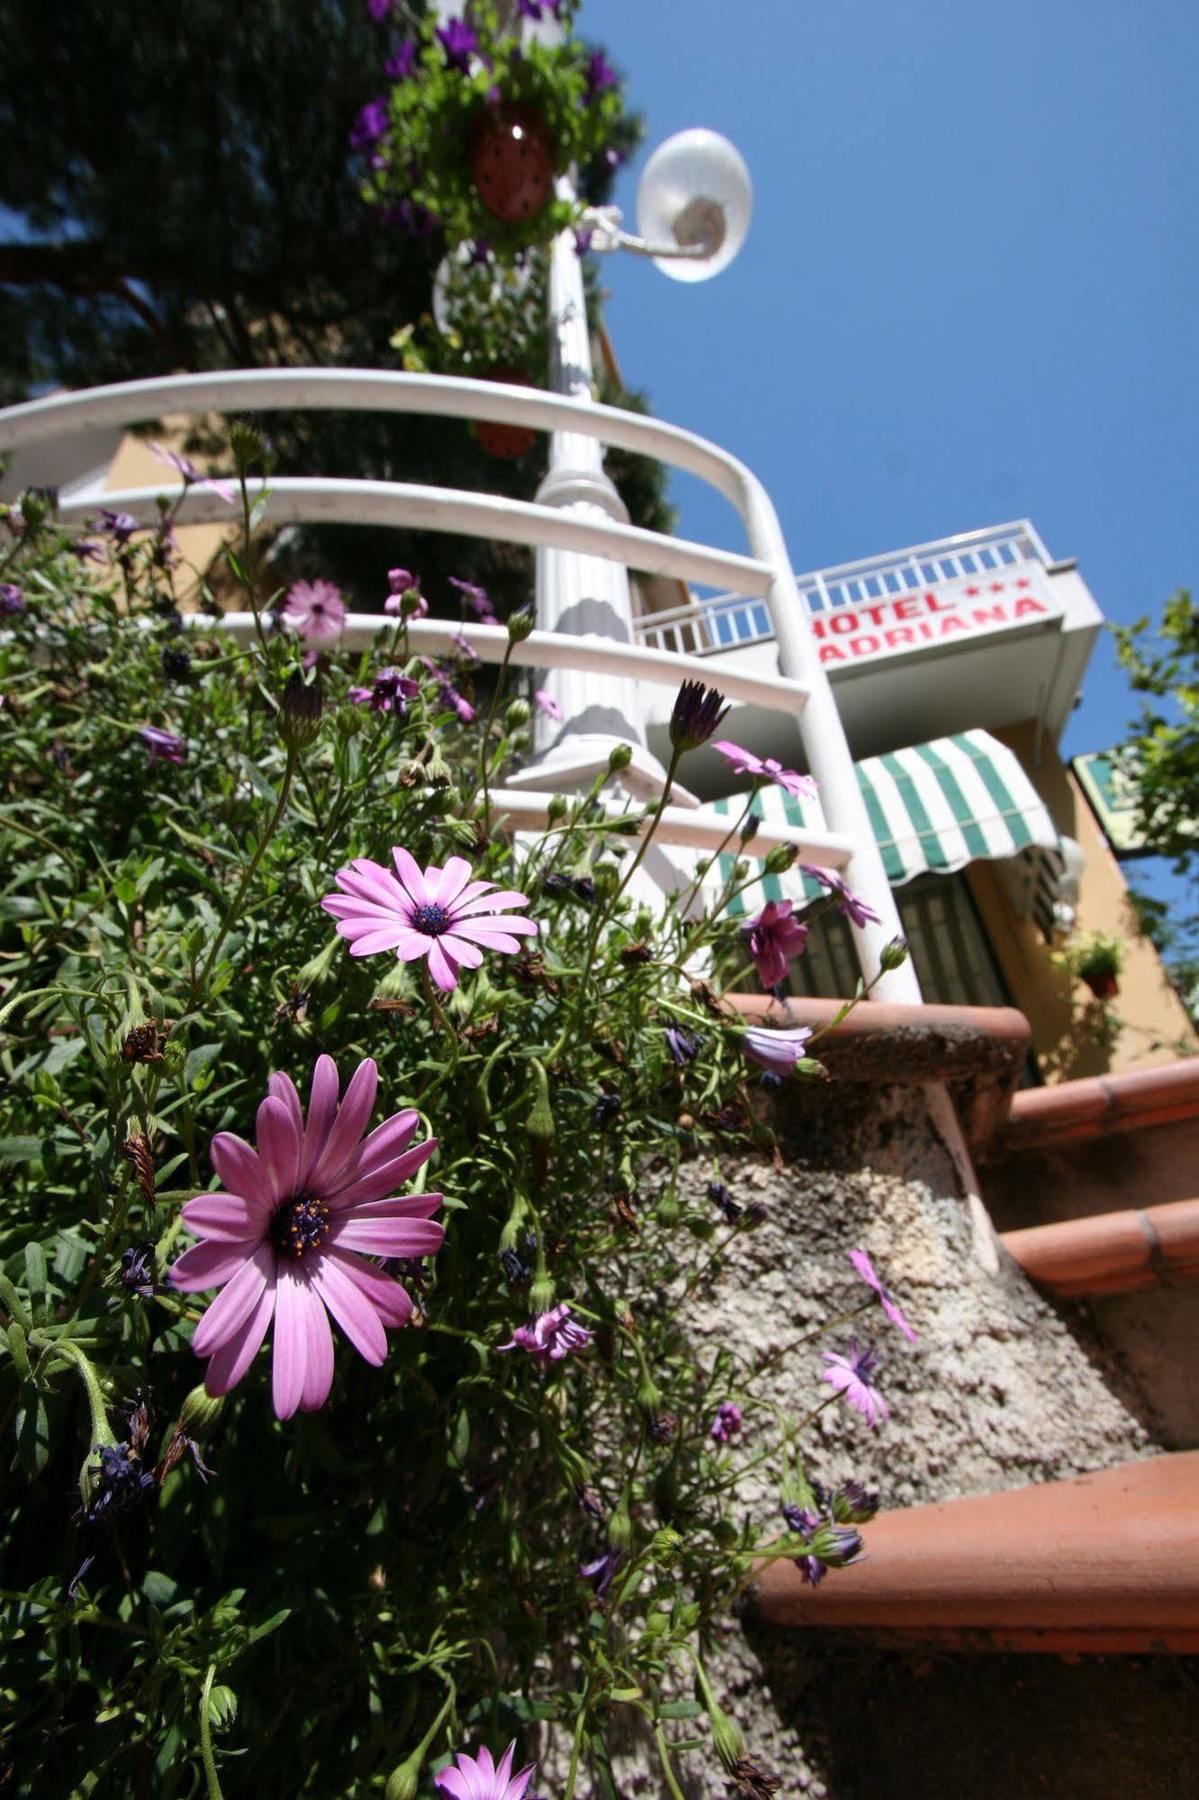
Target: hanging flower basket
489	322
478	122
506	442
512	162
1103	983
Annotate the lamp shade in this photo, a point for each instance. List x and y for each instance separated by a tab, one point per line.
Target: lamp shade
695	189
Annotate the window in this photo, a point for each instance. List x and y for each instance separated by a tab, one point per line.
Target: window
950	953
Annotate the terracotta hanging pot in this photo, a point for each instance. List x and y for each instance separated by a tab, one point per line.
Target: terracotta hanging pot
512	162
504	441
1103	984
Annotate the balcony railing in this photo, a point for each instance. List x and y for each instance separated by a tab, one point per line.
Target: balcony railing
763	576
732	620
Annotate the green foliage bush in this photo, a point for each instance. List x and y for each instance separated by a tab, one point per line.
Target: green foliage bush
199	1597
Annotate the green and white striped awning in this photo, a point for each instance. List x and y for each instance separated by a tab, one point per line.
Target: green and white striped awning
935	806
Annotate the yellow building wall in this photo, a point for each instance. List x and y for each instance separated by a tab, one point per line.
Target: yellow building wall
1074	1035
136	466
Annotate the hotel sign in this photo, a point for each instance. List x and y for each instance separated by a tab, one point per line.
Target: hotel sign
959	611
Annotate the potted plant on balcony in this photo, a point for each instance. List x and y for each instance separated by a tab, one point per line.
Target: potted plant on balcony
478	124
1097	961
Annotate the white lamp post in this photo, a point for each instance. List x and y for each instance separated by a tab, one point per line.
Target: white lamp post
693	207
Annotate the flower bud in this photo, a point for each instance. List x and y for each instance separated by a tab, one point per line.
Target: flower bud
667	1211
300	711
782	858
749	828
619	757
200	1412
726	1733
620	1526
894	955
698	710
539	1120
520	625
317	968
808	1069
411	602
517	715
557	808
404	1780
222	1707
649	1396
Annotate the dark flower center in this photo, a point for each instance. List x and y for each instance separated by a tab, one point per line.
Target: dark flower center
432	920
300	1225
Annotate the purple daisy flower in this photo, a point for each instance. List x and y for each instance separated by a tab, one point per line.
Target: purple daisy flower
480	1778
727	1422
855	910
774	939
120	526
800	787
851	1373
547	705
778	1051
164	746
436	913
286	1238
476	598
600	1571
459	43
550	1336
681	1044
370	125
12	601
600	74
194	477
401	64
865	1269
315	610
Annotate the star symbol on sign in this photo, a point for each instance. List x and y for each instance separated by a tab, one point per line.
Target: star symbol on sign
972	593
997	587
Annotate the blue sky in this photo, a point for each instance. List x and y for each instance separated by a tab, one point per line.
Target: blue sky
971	287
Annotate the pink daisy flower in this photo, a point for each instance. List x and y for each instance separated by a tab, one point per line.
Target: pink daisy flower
865	1269
479	1778
438	913
282	1240
774	938
800	787
316	610
545	703
851	1373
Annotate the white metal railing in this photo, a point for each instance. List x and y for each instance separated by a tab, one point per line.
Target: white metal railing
801	688
731	620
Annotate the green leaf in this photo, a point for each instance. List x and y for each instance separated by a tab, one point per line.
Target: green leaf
33	1431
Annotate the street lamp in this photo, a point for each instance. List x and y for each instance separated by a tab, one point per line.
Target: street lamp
694	203
693	209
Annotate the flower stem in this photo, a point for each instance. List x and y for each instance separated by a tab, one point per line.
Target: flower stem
211	1782
235	905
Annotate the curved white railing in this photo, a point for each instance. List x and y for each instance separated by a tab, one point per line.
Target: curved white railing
802	687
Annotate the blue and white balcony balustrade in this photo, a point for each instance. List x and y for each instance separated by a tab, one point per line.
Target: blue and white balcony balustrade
572	519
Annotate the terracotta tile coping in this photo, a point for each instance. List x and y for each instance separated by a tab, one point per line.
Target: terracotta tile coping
1076	1110
1103	1562
1112	1253
884	1042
